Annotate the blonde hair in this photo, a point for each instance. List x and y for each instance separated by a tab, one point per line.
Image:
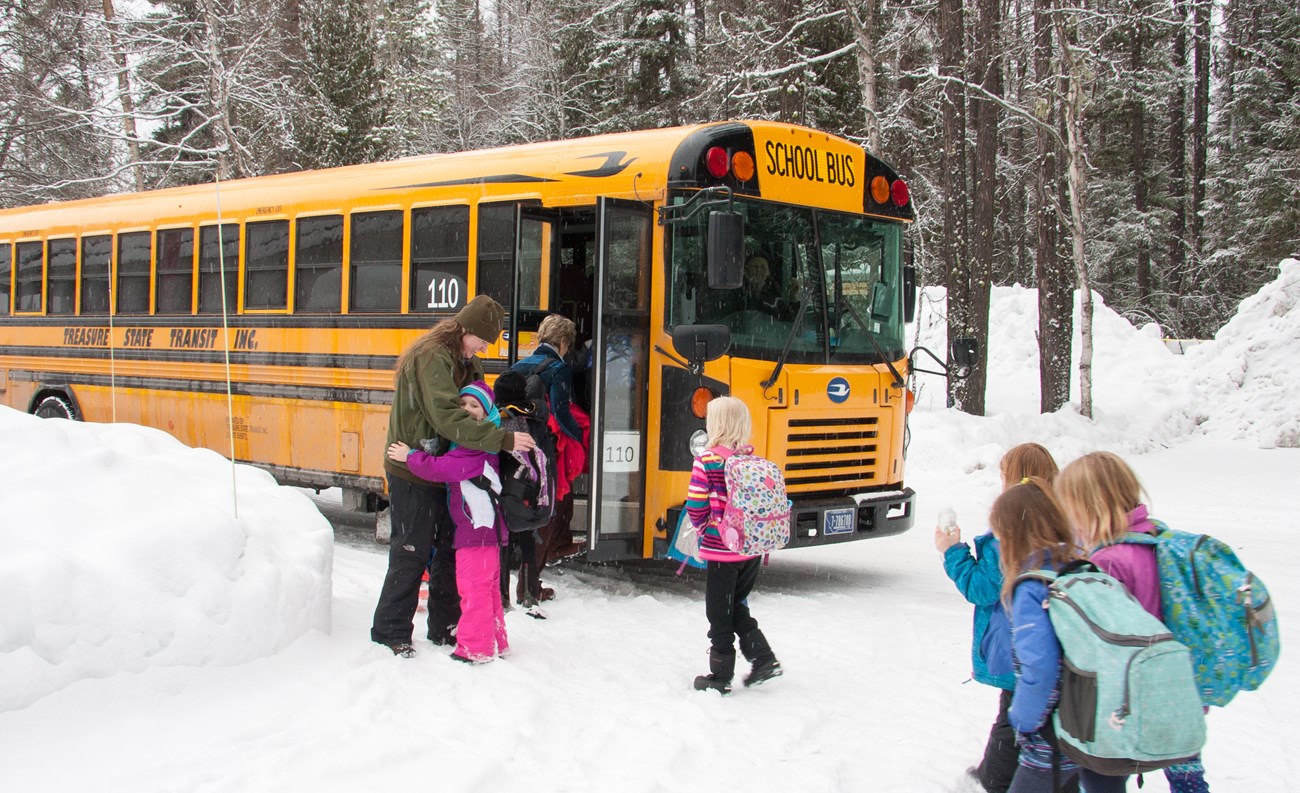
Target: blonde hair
1098	491
1028	521
557	330
727	422
1027	459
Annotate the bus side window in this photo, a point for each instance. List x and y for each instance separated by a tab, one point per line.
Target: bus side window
496	251
439	258
375	256
133	273
29	282
96	262
218	253
6	259
175	272
266	265
318	264
62	275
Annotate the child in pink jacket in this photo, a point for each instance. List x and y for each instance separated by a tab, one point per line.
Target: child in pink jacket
480	531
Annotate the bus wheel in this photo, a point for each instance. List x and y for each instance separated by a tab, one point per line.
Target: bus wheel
55	406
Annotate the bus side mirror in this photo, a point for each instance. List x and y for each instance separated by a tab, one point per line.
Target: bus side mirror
726	249
909	293
700	344
965	353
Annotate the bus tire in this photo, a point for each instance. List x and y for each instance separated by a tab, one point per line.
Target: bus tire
55	406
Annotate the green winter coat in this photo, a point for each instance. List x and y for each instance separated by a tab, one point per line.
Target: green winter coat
426	404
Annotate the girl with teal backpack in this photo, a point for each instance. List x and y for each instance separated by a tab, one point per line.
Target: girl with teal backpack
1034	536
1103	499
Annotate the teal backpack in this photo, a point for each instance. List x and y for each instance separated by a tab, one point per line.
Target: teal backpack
1216	607
1129	701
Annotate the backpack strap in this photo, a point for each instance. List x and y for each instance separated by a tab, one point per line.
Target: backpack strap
483	483
1137	538
1044	575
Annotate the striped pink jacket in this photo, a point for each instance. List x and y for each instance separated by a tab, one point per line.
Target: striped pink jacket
706	500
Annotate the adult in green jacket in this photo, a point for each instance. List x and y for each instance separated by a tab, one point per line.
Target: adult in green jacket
426	409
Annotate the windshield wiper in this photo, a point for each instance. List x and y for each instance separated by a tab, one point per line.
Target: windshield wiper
794	329
871	337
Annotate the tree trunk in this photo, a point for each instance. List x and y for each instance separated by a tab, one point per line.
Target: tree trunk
984	114
865	32
1077	179
956	258
1178	164
1200	124
1137	131
128	103
1052	274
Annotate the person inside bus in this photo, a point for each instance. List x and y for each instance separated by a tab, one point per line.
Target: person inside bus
760	290
555	338
426	405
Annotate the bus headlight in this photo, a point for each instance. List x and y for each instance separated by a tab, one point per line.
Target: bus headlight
699	442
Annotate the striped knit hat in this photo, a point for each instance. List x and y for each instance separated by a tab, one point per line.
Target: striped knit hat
483	393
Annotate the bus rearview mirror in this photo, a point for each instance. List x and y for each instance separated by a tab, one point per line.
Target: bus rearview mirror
965	351
726	248
909	293
699	344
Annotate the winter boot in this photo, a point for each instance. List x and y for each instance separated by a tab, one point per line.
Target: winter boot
763	663
526	591
722	667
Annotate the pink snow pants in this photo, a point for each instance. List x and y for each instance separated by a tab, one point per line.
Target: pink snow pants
481	632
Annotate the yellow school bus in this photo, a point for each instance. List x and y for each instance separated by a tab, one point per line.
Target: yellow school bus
263	317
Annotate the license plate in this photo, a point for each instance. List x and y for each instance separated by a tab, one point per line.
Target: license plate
838	521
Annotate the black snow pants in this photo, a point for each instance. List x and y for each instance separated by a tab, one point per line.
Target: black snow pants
726	591
422	535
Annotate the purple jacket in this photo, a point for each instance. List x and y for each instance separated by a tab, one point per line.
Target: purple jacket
455	467
1134	565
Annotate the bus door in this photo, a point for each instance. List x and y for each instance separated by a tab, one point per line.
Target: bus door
536	239
620	367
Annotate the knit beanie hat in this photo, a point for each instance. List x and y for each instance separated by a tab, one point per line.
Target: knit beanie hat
482	316
483	393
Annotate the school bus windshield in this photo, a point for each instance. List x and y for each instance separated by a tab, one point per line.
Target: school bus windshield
827	283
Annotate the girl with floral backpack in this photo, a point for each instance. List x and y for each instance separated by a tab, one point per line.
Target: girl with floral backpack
730	576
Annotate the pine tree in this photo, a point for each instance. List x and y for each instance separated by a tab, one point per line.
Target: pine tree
347	121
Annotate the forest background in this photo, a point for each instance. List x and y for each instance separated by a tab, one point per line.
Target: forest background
1145	149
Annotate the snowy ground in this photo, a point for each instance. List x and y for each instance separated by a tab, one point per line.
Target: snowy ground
130	661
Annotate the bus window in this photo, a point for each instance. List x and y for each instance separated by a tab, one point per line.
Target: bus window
175	271
96	261
30	277
215	255
375	253
318	264
266	265
133	273
439	258
6	257
62	276
496	243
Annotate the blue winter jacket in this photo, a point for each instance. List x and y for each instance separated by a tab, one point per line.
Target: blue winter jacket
1037	655
979	579
558	379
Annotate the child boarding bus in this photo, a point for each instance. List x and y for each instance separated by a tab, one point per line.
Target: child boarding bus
755	259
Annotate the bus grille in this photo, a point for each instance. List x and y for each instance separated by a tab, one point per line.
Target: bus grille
831	453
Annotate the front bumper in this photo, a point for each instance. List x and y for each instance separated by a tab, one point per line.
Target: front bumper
859	516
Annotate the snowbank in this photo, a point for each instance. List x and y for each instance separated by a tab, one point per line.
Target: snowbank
1247	378
138	559
1138	388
